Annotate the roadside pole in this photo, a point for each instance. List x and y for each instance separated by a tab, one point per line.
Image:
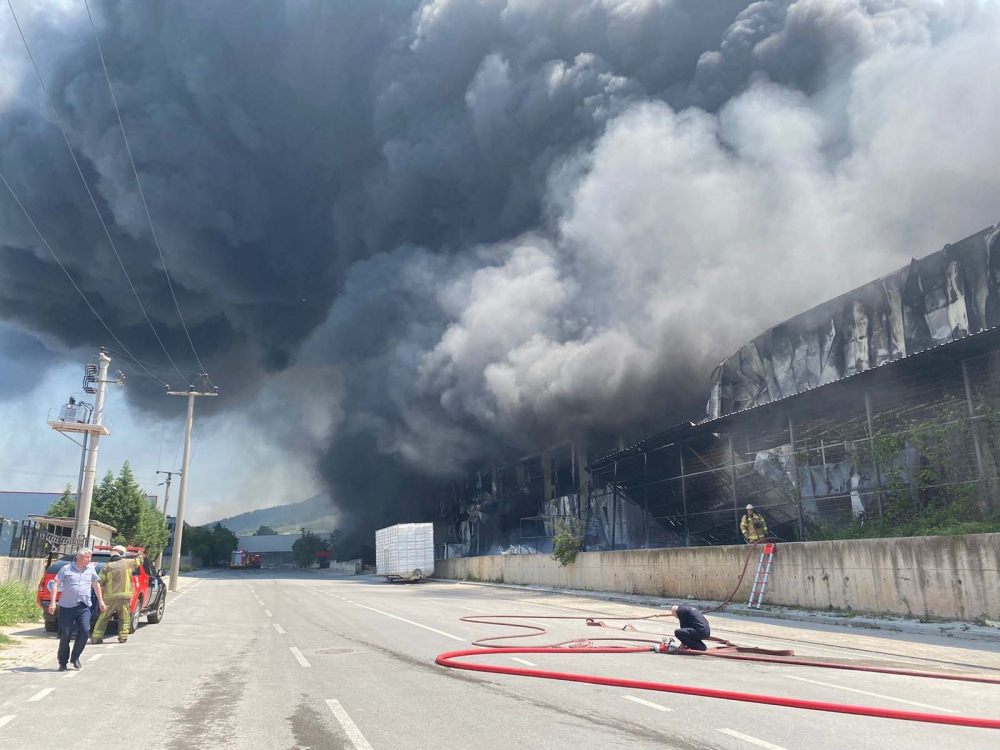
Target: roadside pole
82	527
166	505
175	554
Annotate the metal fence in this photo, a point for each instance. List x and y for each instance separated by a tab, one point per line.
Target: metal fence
921	445
31	540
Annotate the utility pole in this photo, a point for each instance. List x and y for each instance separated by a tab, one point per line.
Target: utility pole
96	376
90	469
191	393
166	503
79	482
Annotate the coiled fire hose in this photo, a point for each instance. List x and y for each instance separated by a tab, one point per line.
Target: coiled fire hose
488	646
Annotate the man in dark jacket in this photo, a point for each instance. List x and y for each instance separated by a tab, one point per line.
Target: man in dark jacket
694	627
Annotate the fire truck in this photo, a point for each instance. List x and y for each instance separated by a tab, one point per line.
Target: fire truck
243	559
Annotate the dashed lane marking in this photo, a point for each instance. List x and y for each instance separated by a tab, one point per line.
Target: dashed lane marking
523	661
647	704
299	657
873	695
751	740
279	628
268	613
5	720
40	694
95	657
350	728
411	622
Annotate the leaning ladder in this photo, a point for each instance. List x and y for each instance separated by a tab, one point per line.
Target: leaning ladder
760	579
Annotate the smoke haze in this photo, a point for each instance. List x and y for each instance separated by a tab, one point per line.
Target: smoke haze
417	235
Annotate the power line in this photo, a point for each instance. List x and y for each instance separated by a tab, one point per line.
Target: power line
68	275
138	183
90	194
38	473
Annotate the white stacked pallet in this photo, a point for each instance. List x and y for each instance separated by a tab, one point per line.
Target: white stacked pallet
405	550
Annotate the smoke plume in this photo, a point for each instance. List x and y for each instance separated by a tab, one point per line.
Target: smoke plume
472	228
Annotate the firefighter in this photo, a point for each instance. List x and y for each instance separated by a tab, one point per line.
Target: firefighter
116	581
753	526
693	628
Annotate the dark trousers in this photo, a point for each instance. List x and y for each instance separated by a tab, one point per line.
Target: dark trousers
73	619
692	638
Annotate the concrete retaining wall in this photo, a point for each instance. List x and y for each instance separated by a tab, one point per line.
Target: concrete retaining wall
946	577
28	570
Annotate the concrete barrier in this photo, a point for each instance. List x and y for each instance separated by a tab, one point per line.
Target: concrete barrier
28	570
347	566
940	577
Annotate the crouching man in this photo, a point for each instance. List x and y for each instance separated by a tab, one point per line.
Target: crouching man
693	628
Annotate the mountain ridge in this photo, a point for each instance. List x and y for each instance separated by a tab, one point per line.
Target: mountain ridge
316	514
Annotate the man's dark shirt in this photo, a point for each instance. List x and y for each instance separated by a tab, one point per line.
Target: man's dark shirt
689	617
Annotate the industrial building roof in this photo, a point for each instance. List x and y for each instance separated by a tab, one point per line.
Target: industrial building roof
268	543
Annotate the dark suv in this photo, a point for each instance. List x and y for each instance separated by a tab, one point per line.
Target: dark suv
149	592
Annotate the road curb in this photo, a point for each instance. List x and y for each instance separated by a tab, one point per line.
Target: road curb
957	630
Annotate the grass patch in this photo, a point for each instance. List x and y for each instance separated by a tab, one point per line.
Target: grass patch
17	604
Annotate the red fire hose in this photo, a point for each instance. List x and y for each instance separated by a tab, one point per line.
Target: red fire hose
451	660
487	646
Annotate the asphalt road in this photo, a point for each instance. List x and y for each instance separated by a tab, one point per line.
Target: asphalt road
267	659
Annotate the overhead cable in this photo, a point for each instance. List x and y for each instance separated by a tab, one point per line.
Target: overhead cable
70	277
138	183
90	194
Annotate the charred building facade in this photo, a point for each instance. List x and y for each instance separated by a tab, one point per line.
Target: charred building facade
870	409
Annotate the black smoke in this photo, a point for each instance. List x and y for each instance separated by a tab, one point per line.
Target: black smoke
494	224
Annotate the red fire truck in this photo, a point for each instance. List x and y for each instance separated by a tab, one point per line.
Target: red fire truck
243	559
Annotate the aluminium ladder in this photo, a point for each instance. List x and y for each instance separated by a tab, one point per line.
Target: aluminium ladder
760	579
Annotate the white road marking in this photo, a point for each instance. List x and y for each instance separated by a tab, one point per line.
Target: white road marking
40	694
350	728
523	661
5	720
95	657
71	674
873	695
751	740
469	609
647	704
299	657
411	622
268	613
279	628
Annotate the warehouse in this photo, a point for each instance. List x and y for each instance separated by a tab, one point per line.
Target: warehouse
275	550
871	408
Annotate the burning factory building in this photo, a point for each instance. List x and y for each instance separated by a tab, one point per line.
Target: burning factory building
857	416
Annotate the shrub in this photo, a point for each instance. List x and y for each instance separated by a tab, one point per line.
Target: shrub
567	542
17	604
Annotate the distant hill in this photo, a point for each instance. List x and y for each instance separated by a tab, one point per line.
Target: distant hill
315	514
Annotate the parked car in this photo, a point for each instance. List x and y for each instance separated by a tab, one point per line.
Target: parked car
149	592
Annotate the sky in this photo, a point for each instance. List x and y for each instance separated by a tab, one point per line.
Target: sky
409	237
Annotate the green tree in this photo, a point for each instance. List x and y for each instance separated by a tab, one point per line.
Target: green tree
125	503
152	532
264	531
305	548
102	500
65	506
224	542
213	545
